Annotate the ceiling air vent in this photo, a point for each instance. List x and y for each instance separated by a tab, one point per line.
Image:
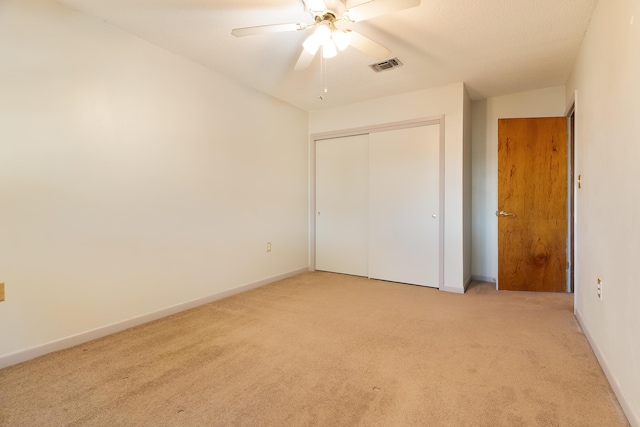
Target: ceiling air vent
386	65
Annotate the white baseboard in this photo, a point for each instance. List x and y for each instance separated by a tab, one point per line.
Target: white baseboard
483	279
467	283
67	342
457	290
632	415
452	289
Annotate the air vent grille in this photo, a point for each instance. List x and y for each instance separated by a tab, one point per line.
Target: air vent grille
386	65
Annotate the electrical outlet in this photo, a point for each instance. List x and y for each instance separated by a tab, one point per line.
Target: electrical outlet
1	291
599	288
268	246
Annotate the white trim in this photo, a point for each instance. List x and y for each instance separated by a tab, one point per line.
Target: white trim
312	204
571	104
442	200
573	109
632	416
452	289
83	337
383	127
571	194
467	283
478	278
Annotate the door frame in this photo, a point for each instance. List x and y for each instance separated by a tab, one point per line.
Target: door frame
572	188
383	127
570	197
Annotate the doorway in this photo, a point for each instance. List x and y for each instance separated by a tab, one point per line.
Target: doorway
571	126
391	180
532	204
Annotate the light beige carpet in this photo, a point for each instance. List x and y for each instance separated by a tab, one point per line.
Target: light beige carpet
329	350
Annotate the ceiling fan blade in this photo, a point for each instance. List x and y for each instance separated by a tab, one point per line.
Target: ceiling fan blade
368	46
316	6
374	8
304	61
265	29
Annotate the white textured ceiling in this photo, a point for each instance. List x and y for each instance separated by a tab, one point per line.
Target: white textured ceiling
494	46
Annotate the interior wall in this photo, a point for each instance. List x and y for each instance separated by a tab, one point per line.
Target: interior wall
606	87
549	102
131	179
448	101
467	186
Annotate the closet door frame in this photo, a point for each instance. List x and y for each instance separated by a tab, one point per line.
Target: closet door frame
426	121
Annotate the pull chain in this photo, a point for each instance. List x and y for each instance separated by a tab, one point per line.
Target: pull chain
323	78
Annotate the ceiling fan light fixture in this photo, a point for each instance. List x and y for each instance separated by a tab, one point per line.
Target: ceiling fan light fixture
323	32
329	49
326	13
317	39
312	44
341	39
315	5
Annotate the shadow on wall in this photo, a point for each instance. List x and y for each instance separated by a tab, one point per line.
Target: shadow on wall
481	191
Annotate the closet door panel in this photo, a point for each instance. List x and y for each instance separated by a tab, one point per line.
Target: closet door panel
342	205
404	201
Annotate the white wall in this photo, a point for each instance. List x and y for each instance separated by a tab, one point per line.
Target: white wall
605	77
548	102
448	101
467	185
131	179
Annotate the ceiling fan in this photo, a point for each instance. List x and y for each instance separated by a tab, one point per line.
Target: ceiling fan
326	13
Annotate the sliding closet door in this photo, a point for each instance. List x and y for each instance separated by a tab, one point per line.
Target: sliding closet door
404	202
342	205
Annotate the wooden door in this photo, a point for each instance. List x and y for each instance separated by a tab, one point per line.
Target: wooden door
532	204
342	205
404	203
